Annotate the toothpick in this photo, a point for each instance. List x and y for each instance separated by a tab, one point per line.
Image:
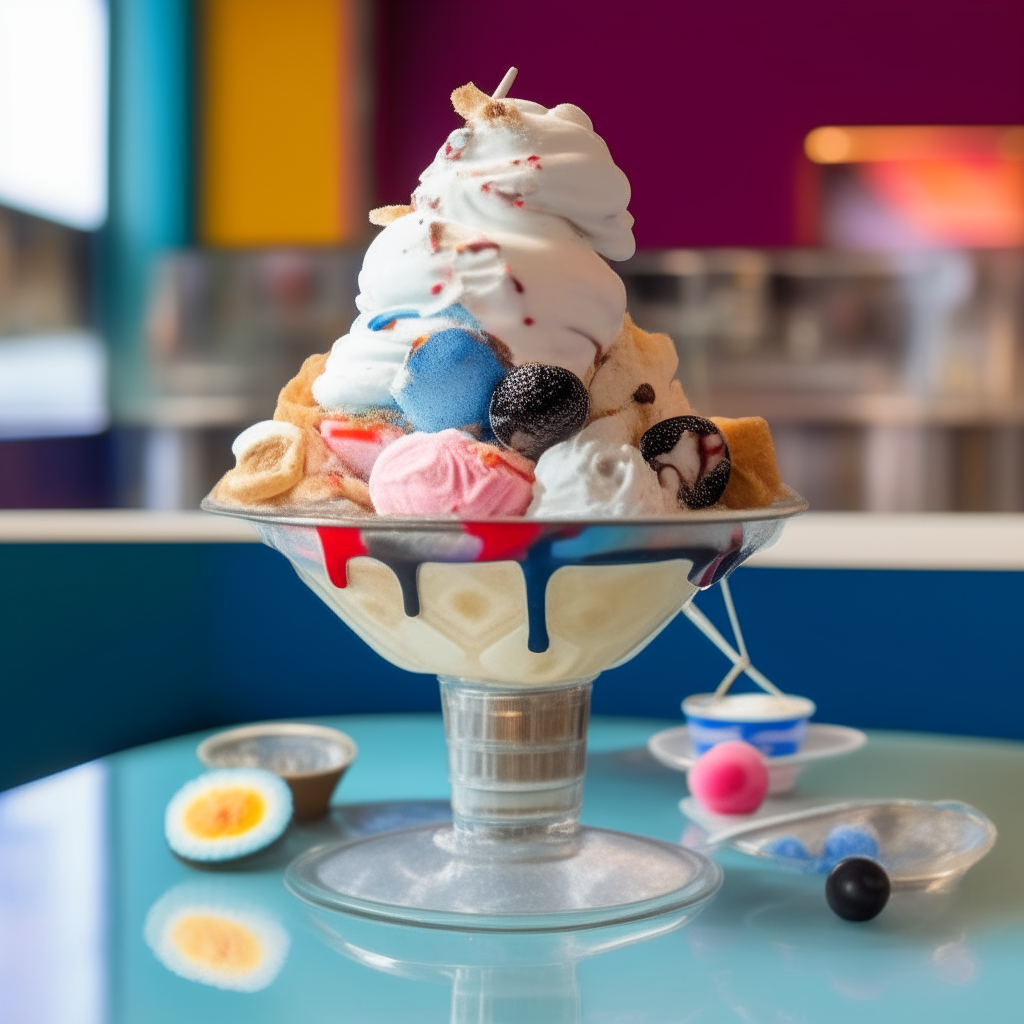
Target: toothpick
506	83
740	658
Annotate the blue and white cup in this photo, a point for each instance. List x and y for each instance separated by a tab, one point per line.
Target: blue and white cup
775	724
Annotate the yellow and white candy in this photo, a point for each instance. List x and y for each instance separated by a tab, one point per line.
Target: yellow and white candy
206	936
227	814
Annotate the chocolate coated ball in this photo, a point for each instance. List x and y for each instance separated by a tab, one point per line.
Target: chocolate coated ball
690	454
536	406
857	889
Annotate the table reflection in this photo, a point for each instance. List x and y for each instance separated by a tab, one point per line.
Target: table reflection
495	978
54	865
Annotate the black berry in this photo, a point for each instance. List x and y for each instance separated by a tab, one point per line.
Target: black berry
857	889
536	406
691	452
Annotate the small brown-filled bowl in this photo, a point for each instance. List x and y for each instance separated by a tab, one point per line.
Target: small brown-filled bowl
310	758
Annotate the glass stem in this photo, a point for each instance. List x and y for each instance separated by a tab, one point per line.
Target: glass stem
516	758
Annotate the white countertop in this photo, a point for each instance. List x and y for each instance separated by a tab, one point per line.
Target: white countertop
848	540
909	540
121	526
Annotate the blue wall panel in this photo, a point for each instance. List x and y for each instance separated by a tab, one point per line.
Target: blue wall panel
104	646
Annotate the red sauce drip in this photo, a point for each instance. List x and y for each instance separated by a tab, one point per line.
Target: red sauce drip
340	543
518	285
503	542
528	320
436	289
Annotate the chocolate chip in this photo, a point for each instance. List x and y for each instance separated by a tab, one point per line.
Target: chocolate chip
644	394
535	406
677	446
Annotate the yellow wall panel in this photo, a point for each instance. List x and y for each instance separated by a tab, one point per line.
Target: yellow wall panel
279	155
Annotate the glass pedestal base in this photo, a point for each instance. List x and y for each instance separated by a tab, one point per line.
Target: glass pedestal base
420	876
515	857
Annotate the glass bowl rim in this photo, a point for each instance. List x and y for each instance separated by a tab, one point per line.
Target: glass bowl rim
785	508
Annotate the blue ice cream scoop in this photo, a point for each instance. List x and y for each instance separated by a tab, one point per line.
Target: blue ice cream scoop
448	379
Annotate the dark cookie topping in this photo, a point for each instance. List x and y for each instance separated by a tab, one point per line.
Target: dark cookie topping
537	406
677	446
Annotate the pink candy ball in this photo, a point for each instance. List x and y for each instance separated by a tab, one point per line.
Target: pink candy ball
730	778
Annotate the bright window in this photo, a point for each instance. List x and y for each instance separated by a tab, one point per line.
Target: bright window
53	109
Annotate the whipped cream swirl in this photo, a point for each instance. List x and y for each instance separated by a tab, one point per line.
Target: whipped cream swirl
511	221
593	476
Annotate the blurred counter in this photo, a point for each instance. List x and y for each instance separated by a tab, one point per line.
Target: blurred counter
893	381
825	540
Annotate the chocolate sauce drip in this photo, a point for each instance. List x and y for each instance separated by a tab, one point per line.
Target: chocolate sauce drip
407	570
538	567
709	566
408	574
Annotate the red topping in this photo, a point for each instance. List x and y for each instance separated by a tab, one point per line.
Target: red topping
503	542
340	543
533	161
528	320
518	285
512	198
436	289
352	433
479	246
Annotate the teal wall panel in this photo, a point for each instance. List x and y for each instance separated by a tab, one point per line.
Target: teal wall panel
151	96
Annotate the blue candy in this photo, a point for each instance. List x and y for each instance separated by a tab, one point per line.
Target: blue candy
447	381
787	847
847	841
381	320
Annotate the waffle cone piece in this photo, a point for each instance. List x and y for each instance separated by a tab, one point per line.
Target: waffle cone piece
754	481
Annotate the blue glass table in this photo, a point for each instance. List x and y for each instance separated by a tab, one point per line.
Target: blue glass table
83	861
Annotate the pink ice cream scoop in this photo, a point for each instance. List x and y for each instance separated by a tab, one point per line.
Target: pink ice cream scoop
449	473
359	443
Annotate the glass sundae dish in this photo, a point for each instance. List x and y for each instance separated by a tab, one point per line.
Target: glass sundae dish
495	477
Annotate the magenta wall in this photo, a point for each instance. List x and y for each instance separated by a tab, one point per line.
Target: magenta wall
704	103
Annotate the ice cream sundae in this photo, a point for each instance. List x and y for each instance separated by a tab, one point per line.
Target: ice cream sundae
493	369
495	477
